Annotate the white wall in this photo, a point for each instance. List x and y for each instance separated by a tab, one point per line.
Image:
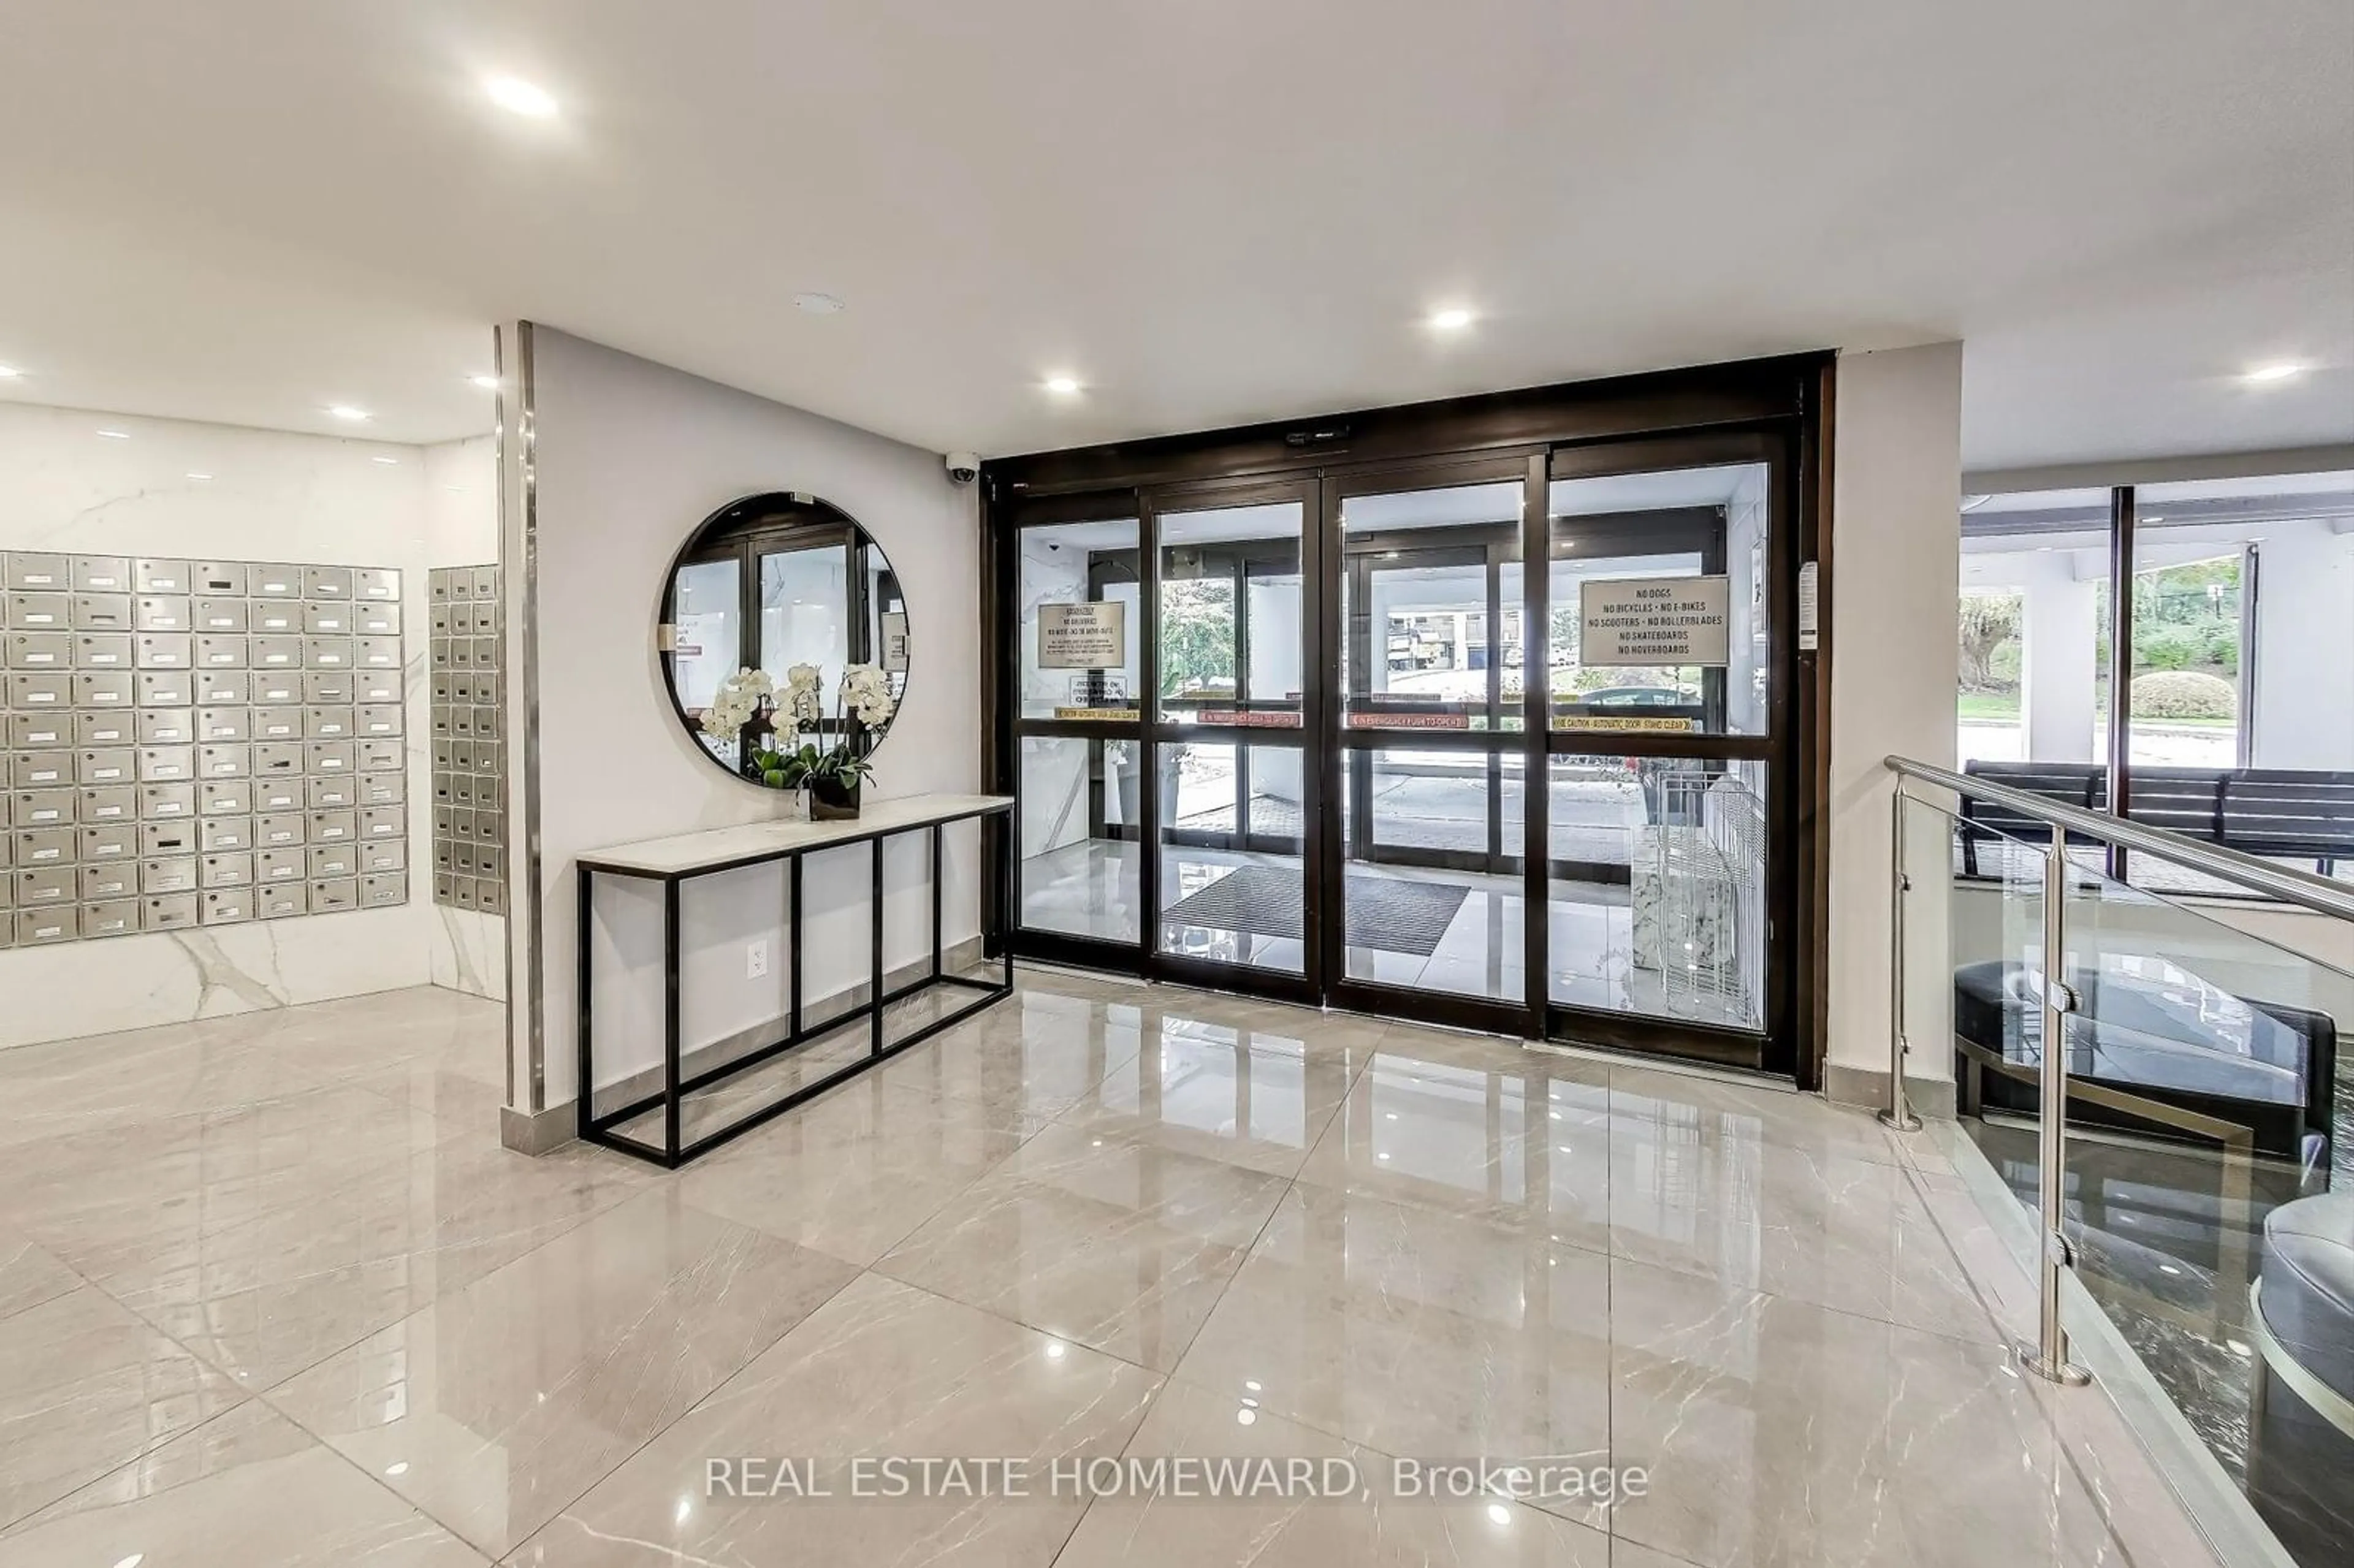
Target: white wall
630	456
271	497
2305	648
461	527
1896	554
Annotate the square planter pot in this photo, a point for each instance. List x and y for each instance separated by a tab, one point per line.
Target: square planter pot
830	803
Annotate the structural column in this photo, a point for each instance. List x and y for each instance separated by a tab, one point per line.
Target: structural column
1894	621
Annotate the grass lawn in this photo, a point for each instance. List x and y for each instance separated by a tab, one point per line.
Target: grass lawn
2002	708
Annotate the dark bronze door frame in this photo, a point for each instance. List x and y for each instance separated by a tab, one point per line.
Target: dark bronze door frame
1768	412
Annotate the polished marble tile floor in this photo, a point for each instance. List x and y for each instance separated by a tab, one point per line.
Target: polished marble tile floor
271	1294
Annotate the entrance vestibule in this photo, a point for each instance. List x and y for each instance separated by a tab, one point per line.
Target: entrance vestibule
1277	731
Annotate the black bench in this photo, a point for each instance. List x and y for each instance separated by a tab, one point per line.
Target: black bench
2275	811
2084	785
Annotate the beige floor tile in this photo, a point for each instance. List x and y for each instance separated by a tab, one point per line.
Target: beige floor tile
84	1387
278	1292
1245	1094
1035	1054
243	1491
1416	1332
499	1403
883	1369
1521	1140
1719	1201
853	1172
1351	1516
1777	1431
29	1274
1119	1246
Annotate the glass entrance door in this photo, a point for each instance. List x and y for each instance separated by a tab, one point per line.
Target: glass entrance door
1504	744
1432	739
1228	863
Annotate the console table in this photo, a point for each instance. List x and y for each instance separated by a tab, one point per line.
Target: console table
673	861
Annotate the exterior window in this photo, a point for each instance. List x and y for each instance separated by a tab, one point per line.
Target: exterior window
2239	706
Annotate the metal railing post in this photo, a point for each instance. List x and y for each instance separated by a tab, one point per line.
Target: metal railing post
1898	1115
2047	1354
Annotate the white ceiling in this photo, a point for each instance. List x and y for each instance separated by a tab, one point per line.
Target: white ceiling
1211	212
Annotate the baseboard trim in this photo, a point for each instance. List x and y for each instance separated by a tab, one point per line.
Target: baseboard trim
537	1135
1868	1086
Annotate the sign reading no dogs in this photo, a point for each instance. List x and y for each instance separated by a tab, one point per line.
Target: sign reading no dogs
1653	621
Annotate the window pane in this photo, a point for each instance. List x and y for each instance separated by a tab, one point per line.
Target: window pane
2243	695
1431	607
1080	632
705	611
1078	843
1223	897
1645	566
2034	620
1232	640
805	612
1422	909
1657	888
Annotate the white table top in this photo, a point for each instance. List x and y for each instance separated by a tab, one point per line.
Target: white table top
717	848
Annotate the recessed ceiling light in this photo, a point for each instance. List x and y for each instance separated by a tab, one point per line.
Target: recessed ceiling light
2273	372
387	461
116	435
819	304
487	383
346	411
199	478
520	97
1454	318
1062	386
10	373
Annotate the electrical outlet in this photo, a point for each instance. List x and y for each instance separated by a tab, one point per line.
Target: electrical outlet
756	960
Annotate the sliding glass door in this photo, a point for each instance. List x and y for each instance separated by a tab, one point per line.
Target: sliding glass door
1229	697
1500	743
1431	750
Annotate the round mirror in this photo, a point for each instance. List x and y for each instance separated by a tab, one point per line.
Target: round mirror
784	640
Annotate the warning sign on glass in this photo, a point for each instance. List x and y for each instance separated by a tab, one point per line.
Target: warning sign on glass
1653	621
1083	636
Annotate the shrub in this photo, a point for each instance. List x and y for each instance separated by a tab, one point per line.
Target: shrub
2221	648
2167	647
2183	693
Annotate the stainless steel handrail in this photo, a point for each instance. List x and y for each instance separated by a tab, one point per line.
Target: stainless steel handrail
2046	1354
2302	888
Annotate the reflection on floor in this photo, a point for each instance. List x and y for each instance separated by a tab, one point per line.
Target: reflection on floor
2170	1235
1091	889
271	1294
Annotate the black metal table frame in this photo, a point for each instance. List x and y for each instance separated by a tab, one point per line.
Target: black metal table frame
600	1129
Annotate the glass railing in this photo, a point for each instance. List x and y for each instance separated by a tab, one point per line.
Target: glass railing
2187	1215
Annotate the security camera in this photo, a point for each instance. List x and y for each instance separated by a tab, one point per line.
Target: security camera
964	467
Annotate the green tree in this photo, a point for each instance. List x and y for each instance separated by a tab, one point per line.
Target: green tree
1197	635
1988	622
